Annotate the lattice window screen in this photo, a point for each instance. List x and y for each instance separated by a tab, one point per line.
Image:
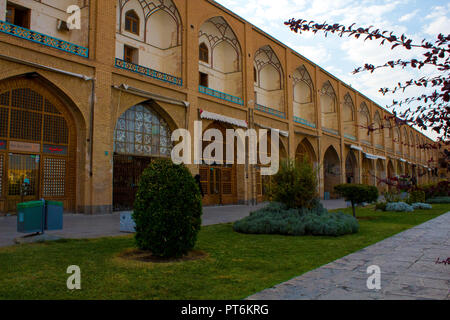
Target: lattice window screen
227	182
55	129
4	112
50	108
27	99
25	125
4	99
54	177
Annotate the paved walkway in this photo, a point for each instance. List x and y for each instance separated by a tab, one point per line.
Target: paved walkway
408	270
78	226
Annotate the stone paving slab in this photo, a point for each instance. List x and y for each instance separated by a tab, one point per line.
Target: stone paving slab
408	270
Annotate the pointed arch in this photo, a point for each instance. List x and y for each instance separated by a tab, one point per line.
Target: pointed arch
332	171
224	64
364	123
351	168
348	114
328	105
269	87
388	135
397	140
381	174
378	136
40	115
303	95
305	150
158	44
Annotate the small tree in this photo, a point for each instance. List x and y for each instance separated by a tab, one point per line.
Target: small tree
167	210
357	194
295	184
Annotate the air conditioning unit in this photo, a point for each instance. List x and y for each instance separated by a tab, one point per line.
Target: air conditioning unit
62	25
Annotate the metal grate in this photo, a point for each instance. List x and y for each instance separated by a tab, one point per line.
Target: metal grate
4	113
21	168
55	130
50	108
4	99
204	179
26	125
26	98
227	183
54	177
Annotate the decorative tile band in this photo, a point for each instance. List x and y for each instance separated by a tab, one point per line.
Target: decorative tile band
366	142
148	72
349	136
43	39
220	95
270	111
332	131
379	146
305	122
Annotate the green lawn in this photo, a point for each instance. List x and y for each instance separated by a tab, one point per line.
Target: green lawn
238	265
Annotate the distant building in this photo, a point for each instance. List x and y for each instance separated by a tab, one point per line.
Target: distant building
83	112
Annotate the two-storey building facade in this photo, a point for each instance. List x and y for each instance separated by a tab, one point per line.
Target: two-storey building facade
83	111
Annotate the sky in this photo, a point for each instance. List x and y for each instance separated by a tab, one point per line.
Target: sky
417	19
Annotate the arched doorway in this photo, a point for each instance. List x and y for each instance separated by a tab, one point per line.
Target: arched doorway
263	182
391	173
332	172
400	171
38	143
351	167
381	175
219	180
141	135
305	151
367	172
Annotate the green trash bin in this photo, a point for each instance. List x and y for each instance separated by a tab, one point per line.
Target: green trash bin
54	215
30	217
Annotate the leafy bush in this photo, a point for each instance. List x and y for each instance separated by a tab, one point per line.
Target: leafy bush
276	218
357	194
439	200
295	184
392	196
399	207
422	206
441	189
167	210
417	196
381	206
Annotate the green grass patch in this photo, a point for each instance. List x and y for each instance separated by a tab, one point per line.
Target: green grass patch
237	265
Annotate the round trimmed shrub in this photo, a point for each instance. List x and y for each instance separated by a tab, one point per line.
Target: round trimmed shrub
167	210
357	194
277	218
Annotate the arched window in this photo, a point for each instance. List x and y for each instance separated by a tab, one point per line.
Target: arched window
141	131
203	53
132	22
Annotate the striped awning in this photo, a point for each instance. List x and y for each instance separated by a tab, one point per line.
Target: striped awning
221	118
